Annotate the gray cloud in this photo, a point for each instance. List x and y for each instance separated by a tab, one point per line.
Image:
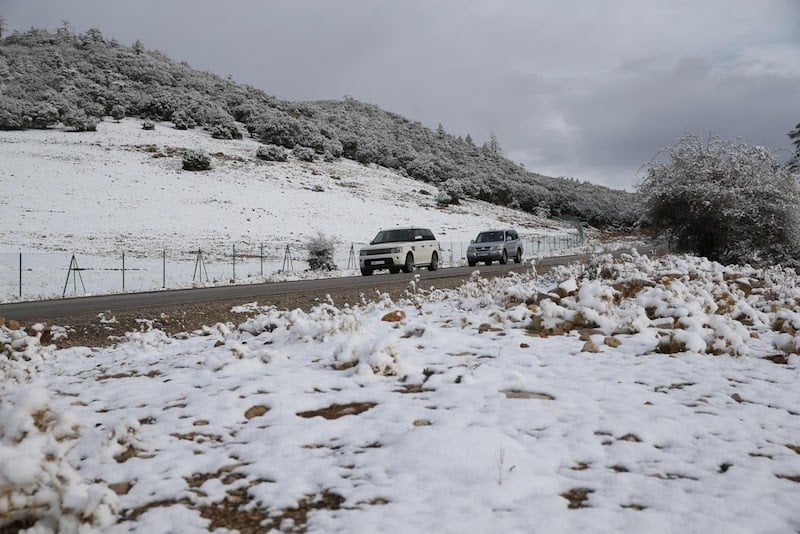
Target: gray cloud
575	88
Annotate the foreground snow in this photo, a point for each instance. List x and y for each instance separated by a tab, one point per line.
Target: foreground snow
631	395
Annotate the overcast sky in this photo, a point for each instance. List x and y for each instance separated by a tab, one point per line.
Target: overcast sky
583	88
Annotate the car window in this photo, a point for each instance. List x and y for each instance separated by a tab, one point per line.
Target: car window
513	234
488	237
427	235
393	236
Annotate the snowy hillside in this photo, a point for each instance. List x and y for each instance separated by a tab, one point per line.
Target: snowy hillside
121	189
629	396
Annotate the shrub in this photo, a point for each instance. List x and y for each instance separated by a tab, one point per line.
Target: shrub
79	121
196	160
727	201
117	112
320	253
303	153
271	153
183	120
148	125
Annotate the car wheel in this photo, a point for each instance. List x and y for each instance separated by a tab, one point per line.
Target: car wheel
434	262
471	263
366	271
504	258
408	266
394	270
488	262
518	256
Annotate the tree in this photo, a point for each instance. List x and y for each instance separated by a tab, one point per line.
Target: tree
492	146
794	135
728	201
2	25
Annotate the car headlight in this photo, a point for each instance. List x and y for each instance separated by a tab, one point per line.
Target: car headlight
362	252
395	250
497	247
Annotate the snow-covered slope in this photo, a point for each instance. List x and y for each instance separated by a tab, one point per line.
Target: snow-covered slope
97	194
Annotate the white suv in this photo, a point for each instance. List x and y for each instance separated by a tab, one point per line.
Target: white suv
400	248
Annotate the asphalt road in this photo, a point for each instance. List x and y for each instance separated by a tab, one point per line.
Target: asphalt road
43	310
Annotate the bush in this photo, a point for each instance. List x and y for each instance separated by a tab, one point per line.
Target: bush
79	121
320	253
196	160
148	125
271	153
182	120
727	201
303	153
117	112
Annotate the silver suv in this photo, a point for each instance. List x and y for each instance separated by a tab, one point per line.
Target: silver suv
494	245
400	248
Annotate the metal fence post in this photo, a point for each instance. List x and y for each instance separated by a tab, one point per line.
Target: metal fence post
234	262
20	275
164	269
262	260
123	271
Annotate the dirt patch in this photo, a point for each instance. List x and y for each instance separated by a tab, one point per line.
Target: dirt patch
577	497
335	411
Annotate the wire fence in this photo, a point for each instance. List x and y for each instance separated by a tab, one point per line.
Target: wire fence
39	275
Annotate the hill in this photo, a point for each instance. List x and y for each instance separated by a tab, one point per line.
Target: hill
121	189
62	77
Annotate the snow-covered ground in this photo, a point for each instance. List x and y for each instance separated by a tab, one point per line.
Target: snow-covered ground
121	189
632	395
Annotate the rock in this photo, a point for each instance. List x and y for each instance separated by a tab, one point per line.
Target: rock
12	325
612	341
395	316
590	346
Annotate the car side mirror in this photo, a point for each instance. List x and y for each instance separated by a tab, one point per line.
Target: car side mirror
372	242
471	241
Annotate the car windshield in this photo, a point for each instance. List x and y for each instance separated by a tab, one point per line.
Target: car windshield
394	236
489	237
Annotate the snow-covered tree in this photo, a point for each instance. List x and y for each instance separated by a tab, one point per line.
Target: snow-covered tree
725	200
794	135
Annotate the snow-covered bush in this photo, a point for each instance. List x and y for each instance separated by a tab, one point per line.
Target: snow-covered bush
728	201
271	153
148	125
38	486
303	153
79	121
320	253
196	160
117	112
222	126
183	120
